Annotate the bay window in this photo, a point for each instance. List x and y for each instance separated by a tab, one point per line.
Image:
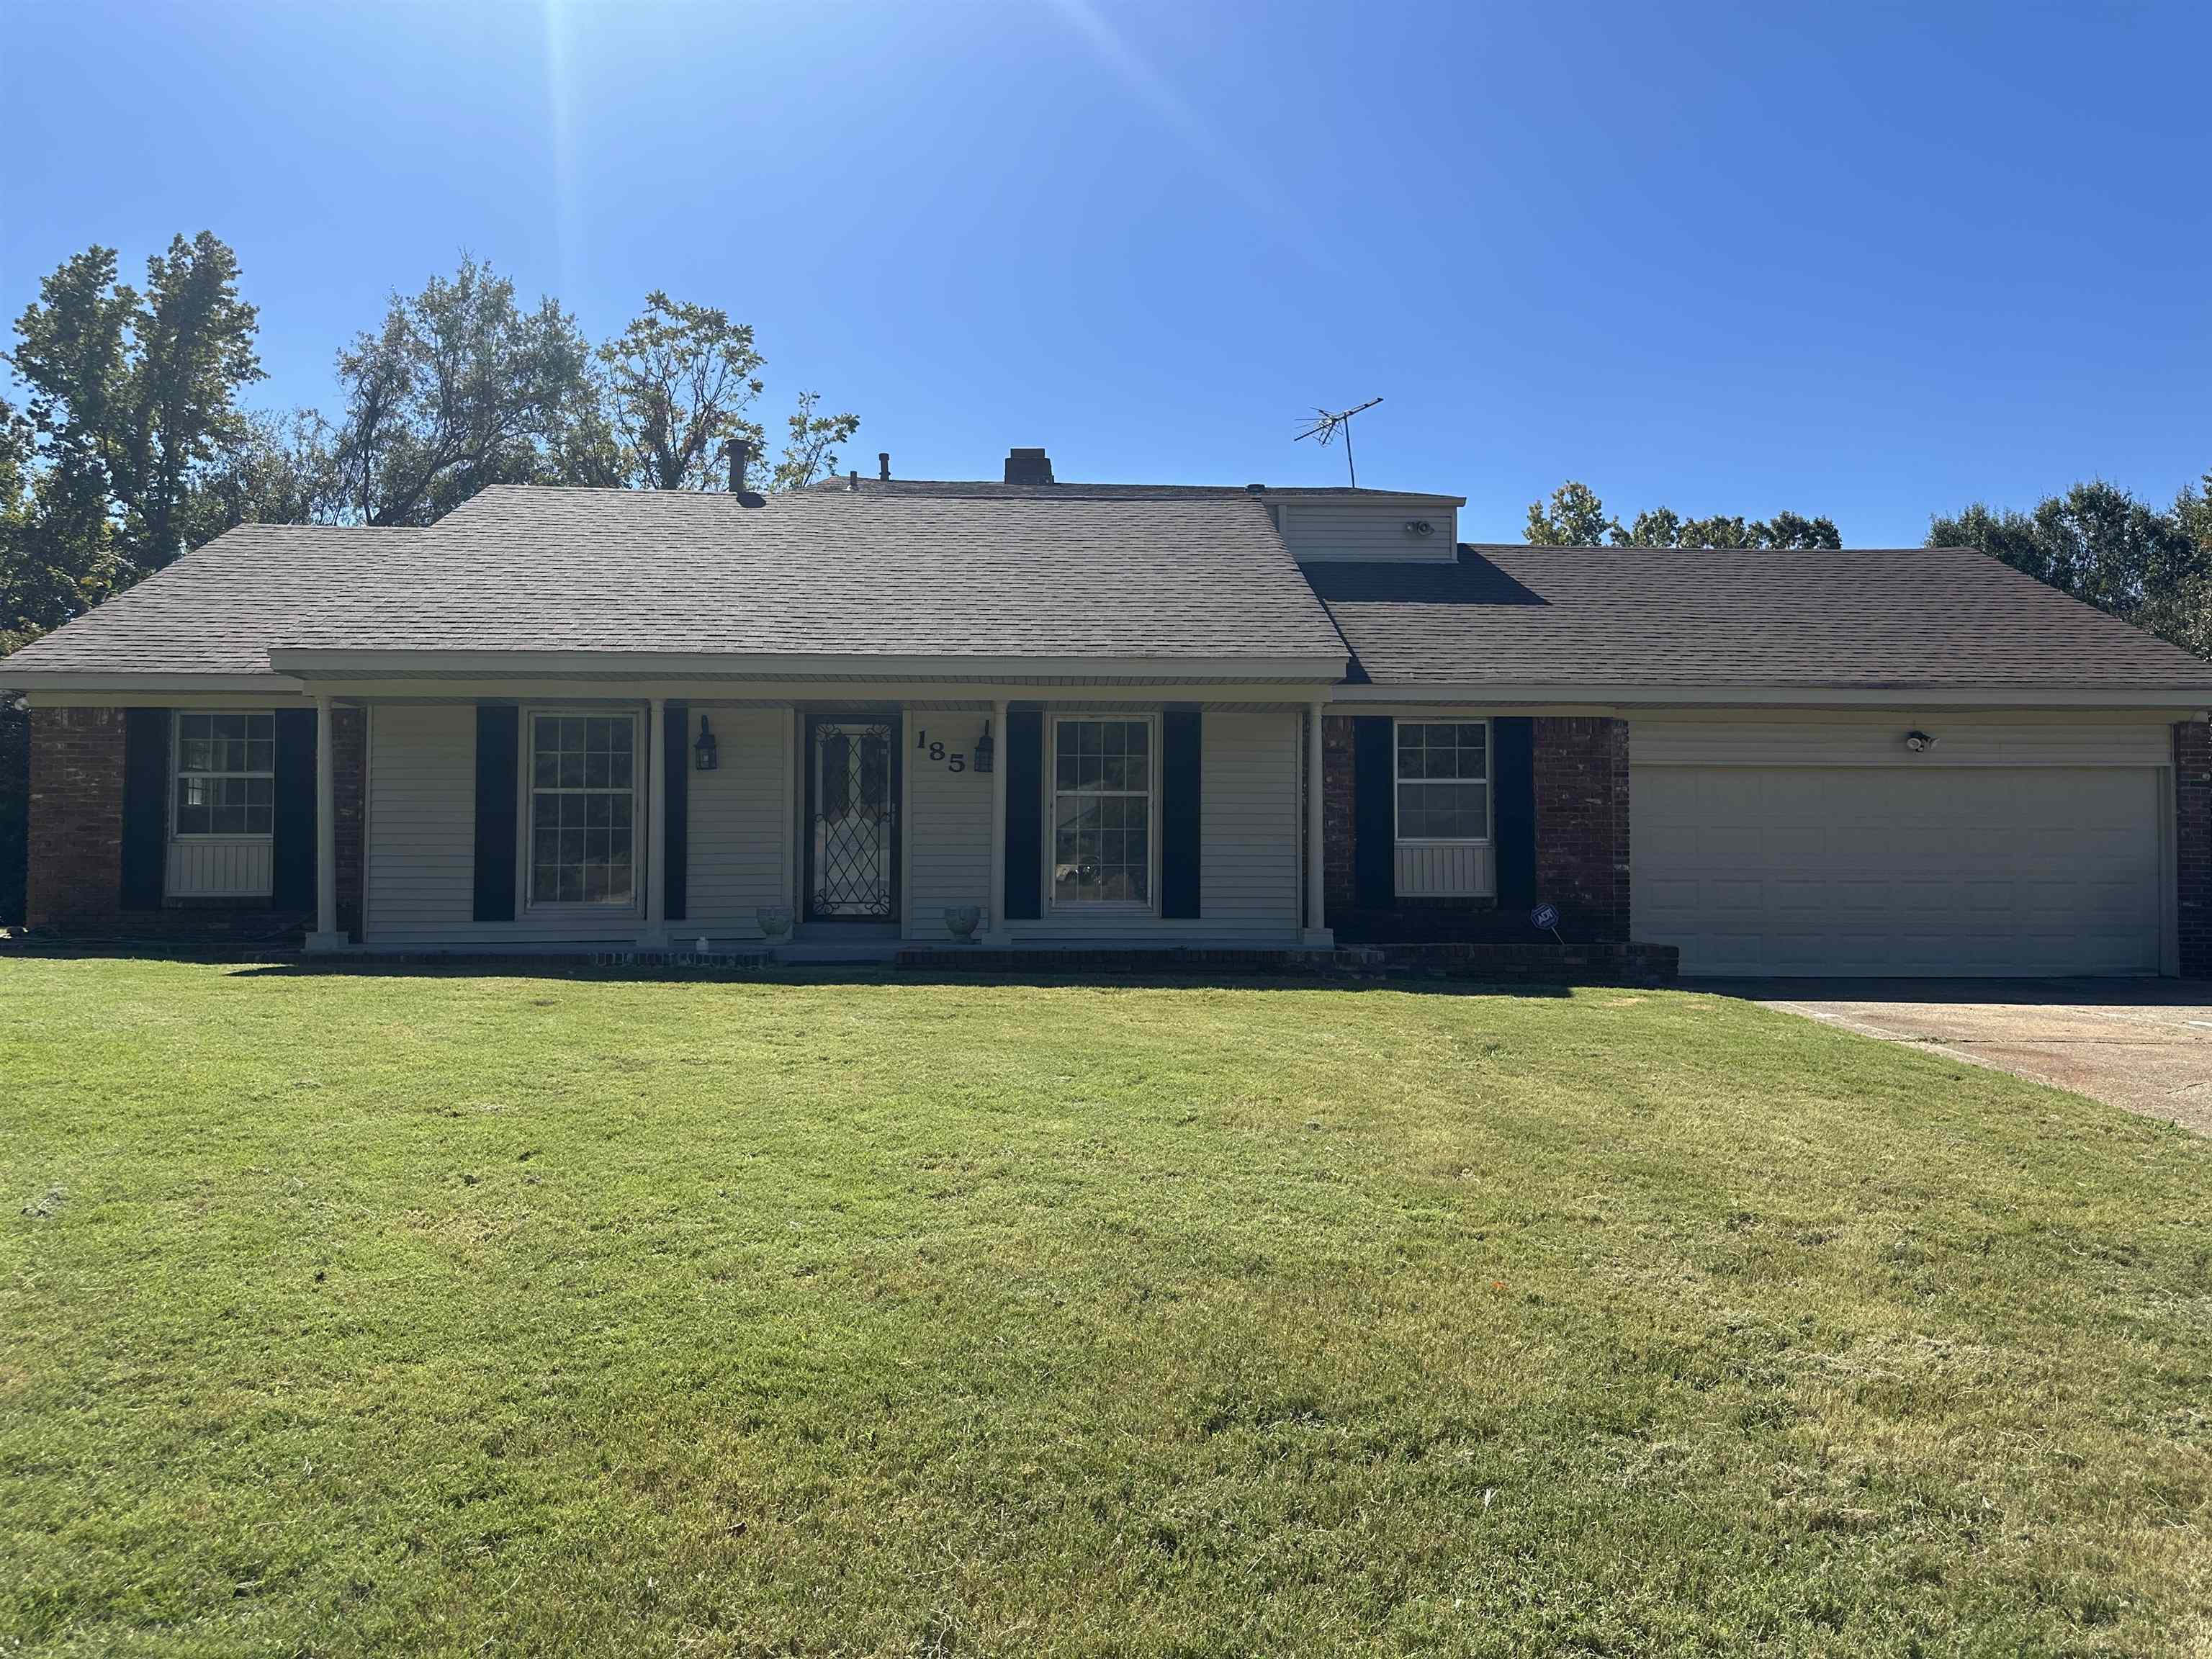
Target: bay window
1101	811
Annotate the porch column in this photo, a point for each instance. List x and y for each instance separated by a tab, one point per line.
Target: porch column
996	934
327	936
656	829
1316	933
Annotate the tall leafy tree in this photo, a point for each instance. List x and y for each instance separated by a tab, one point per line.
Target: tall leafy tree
681	380
459	388
134	393
2100	544
1575	517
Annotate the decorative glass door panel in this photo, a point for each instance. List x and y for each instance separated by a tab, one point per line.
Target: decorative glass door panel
852	790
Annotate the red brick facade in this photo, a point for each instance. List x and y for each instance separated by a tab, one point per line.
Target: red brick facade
76	844
1338	827
350	790
1582	825
1581	843
2192	844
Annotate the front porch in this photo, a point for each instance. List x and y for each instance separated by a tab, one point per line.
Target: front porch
836	826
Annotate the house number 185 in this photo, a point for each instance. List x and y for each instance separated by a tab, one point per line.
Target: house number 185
953	761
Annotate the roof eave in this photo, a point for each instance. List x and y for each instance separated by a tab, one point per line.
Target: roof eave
313	663
2191	698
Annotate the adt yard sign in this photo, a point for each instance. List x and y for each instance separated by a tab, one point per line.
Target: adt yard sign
1545	916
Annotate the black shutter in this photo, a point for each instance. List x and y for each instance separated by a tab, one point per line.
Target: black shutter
499	729
1024	764
145	806
1375	812
676	847
1180	743
292	845
1513	764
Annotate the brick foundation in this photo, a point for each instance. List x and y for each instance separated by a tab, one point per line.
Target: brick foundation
75	876
1582	825
2192	844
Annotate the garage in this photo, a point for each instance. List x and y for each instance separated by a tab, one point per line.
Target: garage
2018	849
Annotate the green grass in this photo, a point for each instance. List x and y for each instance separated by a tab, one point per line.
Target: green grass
438	1313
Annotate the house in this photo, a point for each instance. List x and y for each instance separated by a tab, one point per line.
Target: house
1112	716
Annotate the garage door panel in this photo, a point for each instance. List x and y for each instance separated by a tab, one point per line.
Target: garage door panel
1904	870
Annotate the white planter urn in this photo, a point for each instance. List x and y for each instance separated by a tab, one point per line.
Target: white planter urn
775	922
962	921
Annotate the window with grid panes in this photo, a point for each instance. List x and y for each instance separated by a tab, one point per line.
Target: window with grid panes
226	774
1443	781
1102	812
583	807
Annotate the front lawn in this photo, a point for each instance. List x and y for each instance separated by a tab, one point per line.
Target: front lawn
457	1314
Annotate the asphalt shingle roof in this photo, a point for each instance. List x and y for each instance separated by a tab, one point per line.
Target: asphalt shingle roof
550	570
1875	618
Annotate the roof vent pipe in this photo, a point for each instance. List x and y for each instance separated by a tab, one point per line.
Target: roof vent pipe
1028	466
883	464
741	454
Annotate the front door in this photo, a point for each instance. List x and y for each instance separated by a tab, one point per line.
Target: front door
852	816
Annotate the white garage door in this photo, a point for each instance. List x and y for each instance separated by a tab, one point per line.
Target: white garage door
1903	870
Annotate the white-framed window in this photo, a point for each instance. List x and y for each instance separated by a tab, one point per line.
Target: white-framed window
1443	780
1102	809
225	768
582	846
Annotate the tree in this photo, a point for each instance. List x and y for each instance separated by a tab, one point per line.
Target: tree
2099	544
133	397
1575	517
807	455
459	389
681	381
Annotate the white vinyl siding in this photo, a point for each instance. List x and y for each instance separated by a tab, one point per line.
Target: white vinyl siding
1318	533
219	867
422	842
1827	848
738	825
948	822
1248	842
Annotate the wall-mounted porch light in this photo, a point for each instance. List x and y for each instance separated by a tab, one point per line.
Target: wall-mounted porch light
984	749
704	748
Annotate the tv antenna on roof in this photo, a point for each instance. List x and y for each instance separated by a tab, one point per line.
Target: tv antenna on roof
1327	426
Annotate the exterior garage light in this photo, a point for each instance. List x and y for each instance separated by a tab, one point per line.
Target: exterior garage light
984	749
1918	742
705	748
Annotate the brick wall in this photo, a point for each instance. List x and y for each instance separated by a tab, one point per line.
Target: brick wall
1582	843
75	874
2192	844
1339	830
1581	824
76	843
348	790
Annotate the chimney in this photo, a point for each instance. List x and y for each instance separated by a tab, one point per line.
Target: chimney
1028	466
740	454
883	464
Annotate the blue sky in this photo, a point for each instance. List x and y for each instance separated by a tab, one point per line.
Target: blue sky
1866	260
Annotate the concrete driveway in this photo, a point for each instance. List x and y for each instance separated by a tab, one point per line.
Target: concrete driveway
2145	1045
